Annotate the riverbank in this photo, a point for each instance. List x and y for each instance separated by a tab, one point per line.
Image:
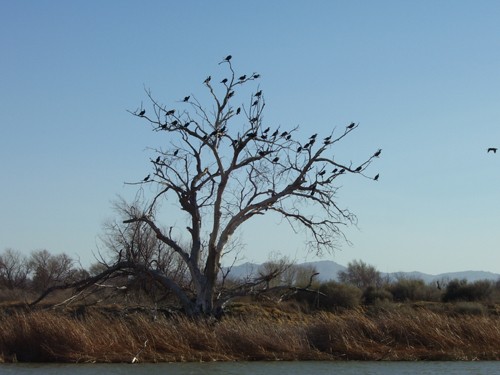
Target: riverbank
393	332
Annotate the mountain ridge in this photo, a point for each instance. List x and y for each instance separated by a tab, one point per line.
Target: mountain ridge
329	269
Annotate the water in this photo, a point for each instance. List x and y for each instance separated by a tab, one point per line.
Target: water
258	368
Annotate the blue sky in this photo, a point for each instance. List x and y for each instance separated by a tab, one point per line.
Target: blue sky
422	79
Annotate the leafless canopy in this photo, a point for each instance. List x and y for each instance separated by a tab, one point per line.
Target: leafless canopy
222	166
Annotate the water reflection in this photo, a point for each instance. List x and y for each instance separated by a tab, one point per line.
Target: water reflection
257	368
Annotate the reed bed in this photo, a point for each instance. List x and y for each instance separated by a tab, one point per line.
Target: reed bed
394	334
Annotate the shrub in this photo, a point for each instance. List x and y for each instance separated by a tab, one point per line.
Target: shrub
461	290
373	295
332	296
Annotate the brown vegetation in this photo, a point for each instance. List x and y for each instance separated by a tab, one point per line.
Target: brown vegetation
250	332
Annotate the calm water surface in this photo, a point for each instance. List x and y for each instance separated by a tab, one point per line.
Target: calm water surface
257	368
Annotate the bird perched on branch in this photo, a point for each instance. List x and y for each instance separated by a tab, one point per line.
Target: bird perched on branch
376	177
351	125
242	78
276	159
358	169
493	149
377	154
207	81
142	113
146	178
186	98
258	93
238	111
228	57
224	81
171	112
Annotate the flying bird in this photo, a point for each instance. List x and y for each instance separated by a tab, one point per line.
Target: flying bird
376	177
142	113
186	98
494	149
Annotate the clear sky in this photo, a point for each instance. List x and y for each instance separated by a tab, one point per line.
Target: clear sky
421	77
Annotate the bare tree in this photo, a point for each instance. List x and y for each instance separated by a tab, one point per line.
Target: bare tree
361	275
222	166
49	270
14	269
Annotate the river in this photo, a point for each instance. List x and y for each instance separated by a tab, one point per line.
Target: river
257	368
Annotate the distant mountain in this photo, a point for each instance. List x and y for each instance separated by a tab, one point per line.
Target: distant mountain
328	270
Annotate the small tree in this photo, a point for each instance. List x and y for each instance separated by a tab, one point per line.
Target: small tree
14	269
361	275
224	165
49	270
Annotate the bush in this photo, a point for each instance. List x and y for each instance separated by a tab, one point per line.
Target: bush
461	290
332	296
409	290
373	295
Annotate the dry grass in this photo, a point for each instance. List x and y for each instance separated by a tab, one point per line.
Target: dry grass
257	334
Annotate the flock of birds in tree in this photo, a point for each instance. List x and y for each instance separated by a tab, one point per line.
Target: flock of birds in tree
250	135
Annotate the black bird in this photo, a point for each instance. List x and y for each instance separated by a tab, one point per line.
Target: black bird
313	136
327	142
335	170
275	160
258	93
175	122
176	152
242	78
351	125
322	173
358	169
158	159
207	80
284	134
228	57
494	149
146	178
328	138
306	146
231	93
171	112
254	119
255	103
255	75
377	154
376	177
275	134
187	124
342	171
252	135
224	81
238	111
186	98
267	129
142	113
288	137
299	149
